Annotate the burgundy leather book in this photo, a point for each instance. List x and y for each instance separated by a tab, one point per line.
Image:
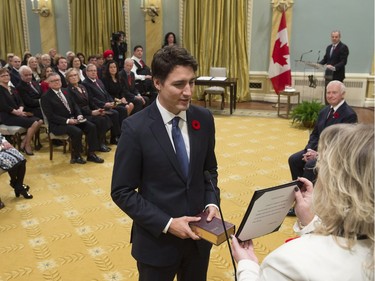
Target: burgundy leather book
212	231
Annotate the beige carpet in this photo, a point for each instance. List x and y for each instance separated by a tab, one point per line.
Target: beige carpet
72	230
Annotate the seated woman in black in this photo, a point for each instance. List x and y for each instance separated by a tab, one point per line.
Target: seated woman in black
113	86
12	114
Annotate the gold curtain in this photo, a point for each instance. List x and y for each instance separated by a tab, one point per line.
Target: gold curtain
11	35
93	22
215	33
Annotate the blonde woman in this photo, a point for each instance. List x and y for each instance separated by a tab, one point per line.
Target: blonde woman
335	219
32	62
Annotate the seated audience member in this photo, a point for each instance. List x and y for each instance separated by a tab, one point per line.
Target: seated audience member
65	117
99	65
142	73
30	92
302	163
46	61
34	66
114	87
15	164
103	99
14	74
61	67
26	56
127	80
9	61
335	218
12	112
69	57
76	64
169	39
43	77
108	56
89	110
82	58
52	53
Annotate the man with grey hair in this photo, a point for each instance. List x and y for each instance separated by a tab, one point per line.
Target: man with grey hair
29	91
337	111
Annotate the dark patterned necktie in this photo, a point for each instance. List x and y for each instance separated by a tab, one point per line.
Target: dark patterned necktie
180	147
64	101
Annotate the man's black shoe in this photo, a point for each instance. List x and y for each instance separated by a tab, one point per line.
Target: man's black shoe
78	160
94	158
104	148
291	213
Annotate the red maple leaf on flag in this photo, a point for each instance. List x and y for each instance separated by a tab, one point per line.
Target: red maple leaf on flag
279	53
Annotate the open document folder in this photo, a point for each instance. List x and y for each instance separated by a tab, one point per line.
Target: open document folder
267	211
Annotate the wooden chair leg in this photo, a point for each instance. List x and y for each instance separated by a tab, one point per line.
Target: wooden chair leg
50	149
222	101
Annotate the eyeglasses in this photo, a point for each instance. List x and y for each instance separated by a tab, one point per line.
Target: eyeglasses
4	75
73	75
91	70
56	80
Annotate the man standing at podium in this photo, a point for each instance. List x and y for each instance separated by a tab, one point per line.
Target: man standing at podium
335	59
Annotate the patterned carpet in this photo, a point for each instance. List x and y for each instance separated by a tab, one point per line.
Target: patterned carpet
72	230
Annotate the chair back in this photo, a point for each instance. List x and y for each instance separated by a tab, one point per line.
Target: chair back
218	71
44	116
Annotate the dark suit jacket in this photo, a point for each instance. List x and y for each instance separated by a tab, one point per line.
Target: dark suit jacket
15	77
29	97
145	160
130	90
344	114
55	111
99	97
338	60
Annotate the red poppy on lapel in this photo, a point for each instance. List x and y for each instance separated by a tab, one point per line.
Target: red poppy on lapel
65	93
336	115
195	124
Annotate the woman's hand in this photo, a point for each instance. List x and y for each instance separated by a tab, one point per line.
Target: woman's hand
243	250
303	206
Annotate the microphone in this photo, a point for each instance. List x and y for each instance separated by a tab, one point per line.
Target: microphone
208	178
305	54
318	57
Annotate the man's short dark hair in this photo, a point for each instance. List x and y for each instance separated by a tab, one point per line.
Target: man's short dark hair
136	47
167	58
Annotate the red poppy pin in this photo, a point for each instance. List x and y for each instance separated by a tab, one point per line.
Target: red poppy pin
336	115
64	92
195	124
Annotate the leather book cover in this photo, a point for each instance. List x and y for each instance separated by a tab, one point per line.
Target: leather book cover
212	231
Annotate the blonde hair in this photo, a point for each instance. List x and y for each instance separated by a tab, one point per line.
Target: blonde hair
344	191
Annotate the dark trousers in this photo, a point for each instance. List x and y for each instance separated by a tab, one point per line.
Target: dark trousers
75	133
102	123
300	168
192	266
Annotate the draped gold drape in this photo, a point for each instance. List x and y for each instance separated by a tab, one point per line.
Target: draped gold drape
11	35
93	22
215	33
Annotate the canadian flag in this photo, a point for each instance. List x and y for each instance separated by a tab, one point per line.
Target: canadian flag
279	70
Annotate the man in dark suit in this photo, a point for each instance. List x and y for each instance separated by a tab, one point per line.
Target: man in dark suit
159	192
335	59
29	91
104	100
61	67
15	77
127	79
65	117
302	163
